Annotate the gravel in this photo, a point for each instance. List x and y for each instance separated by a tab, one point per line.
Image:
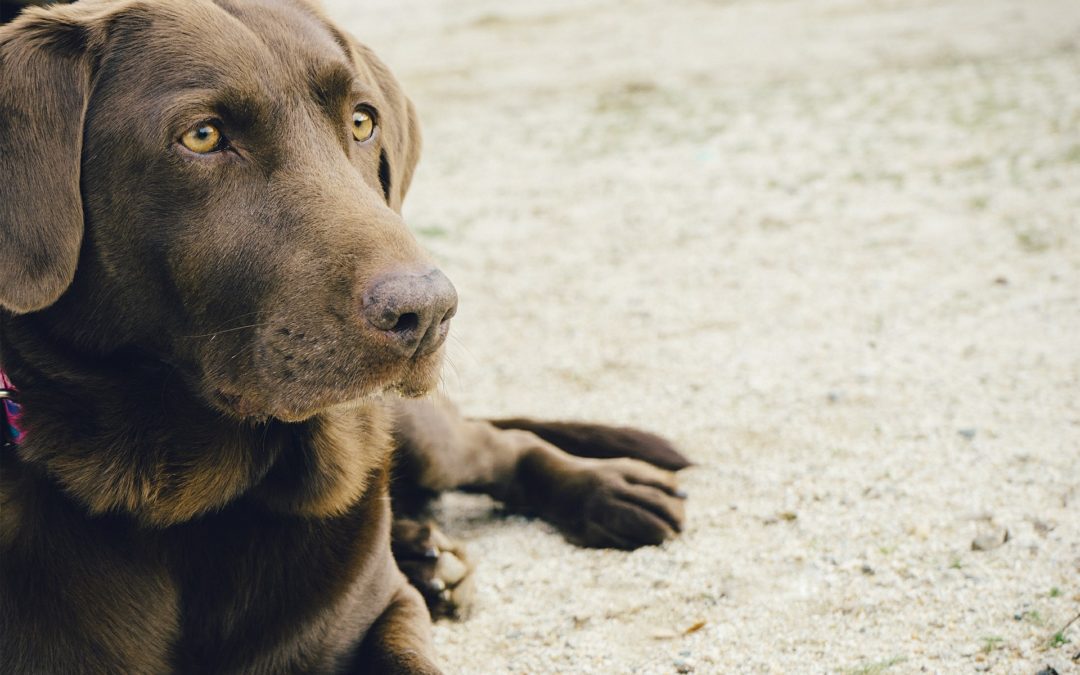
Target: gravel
832	249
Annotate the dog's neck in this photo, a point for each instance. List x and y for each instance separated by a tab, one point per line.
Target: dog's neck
126	434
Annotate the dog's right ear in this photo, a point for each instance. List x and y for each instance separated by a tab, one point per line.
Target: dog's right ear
400	128
45	71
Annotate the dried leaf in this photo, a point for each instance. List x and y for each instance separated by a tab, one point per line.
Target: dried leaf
698	625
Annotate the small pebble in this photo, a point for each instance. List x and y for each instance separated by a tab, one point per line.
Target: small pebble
990	540
967	433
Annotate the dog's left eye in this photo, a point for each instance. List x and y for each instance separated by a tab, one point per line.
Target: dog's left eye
203	138
363	124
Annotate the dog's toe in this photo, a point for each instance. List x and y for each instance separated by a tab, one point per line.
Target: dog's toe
437	566
617	503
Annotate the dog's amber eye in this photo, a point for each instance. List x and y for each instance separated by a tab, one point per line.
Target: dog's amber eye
363	124
202	138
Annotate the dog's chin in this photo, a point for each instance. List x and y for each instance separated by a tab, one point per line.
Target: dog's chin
288	403
420	376
289	406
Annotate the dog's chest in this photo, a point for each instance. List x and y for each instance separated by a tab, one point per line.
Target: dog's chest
242	590
258	590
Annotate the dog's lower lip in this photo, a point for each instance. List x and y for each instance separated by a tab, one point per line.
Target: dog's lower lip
293	406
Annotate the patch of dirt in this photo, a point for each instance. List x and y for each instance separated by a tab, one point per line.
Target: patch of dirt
832	248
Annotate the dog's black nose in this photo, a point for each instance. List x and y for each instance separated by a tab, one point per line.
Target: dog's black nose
413	307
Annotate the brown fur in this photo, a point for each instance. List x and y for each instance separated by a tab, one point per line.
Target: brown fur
204	484
623	501
602	442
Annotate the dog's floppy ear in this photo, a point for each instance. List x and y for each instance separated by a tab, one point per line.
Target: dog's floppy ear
45	71
399	128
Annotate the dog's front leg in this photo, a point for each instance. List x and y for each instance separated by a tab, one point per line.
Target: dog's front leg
618	502
399	642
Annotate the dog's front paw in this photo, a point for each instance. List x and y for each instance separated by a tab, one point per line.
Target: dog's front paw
436	566
626	503
608	503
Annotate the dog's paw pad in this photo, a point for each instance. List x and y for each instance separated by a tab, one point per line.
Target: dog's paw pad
450	569
436	566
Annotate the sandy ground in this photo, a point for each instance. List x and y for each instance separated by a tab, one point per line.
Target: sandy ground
832	248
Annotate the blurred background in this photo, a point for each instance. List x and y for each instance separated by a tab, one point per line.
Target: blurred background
832	249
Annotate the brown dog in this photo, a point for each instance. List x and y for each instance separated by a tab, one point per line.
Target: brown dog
210	304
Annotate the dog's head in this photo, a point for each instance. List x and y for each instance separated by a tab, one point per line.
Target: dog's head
218	185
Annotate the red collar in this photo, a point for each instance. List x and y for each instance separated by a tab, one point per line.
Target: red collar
10	431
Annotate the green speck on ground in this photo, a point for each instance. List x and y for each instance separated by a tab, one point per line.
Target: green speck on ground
1058	639
875	667
432	232
1032	242
990	643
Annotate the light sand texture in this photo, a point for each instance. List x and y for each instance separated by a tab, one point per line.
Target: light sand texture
832	248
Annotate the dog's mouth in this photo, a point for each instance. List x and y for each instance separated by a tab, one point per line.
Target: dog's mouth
270	396
256	408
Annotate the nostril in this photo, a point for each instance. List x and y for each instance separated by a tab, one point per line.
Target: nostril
449	315
406	322
412	309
